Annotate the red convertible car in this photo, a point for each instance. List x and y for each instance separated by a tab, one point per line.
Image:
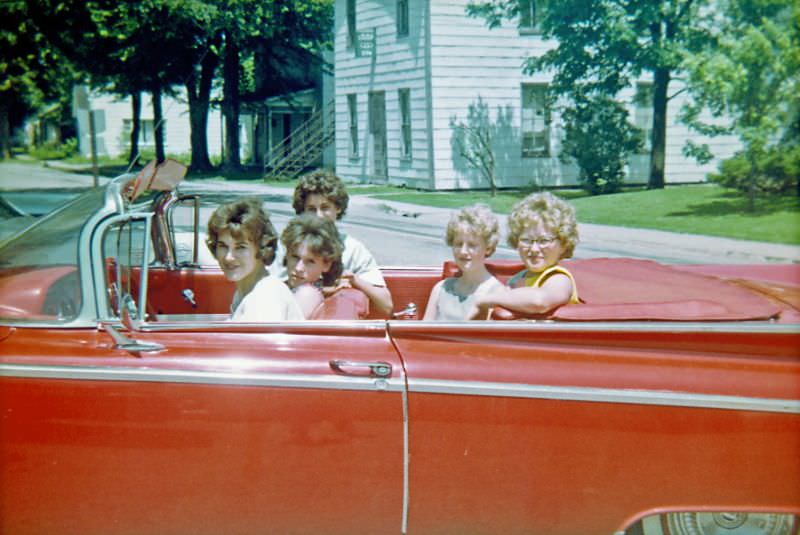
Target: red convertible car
668	402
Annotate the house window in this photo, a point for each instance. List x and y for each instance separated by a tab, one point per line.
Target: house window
351	23
352	112
535	121
147	136
530	15
404	97
643	114
402	18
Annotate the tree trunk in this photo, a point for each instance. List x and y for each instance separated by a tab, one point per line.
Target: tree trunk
136	125
661	80
199	98
5	133
158	125
230	105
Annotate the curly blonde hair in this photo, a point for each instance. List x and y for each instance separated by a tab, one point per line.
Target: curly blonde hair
247	219
480	221
321	182
556	215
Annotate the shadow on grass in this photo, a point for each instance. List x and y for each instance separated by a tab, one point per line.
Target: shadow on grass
733	203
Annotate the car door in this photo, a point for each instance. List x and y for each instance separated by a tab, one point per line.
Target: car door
198	426
522	427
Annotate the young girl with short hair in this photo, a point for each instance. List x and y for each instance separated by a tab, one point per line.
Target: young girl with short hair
472	233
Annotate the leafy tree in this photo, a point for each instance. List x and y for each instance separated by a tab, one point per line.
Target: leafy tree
603	45
126	47
748	77
31	72
260	33
599	138
130	46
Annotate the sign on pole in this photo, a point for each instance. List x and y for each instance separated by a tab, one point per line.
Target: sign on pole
365	42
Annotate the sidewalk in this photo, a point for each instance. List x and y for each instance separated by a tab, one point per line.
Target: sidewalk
613	241
596	240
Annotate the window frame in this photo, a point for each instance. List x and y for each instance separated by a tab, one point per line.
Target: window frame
643	106
402	18
538	95
530	16
352	30
352	117
404	105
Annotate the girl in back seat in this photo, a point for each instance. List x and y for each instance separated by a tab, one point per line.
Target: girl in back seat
313	258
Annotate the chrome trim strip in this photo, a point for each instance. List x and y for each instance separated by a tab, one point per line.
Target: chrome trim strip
605	395
404	523
305	327
155	375
398	327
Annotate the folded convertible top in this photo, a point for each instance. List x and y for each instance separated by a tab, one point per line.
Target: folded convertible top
614	289
630	289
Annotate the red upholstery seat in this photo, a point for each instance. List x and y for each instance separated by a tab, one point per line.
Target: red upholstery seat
346	304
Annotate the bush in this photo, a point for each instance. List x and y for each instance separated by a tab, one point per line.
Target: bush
599	139
55	151
777	171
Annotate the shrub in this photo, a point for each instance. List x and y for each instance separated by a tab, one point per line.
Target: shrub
777	171
53	150
599	139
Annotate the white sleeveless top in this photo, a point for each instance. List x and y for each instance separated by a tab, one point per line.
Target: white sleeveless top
451	306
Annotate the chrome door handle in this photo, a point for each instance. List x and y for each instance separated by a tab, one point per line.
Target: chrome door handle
376	369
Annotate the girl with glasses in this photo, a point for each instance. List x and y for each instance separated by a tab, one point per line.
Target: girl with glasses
544	231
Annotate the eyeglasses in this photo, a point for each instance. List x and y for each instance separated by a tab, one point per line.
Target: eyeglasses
541	241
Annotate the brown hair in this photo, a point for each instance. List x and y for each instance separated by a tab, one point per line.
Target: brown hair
321	182
246	219
322	238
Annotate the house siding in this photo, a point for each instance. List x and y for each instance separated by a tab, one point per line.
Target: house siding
399	62
456	64
113	140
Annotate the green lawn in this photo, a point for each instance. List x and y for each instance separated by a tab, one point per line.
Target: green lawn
697	209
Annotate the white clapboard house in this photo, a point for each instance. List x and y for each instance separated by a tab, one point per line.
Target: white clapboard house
406	71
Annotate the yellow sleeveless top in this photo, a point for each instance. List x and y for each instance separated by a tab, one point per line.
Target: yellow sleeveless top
536	280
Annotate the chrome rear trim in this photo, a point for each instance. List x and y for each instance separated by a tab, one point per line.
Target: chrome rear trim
396	384
604	395
154	375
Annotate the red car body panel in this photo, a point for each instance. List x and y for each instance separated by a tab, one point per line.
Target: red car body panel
492	462
146	456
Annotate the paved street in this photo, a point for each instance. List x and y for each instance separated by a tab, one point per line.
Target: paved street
405	234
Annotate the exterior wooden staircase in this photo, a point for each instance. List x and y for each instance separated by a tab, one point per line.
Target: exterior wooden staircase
303	148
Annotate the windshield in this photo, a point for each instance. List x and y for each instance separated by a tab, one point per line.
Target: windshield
54	239
39	267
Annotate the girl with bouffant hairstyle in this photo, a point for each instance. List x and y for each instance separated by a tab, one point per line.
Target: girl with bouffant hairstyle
243	240
313	258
